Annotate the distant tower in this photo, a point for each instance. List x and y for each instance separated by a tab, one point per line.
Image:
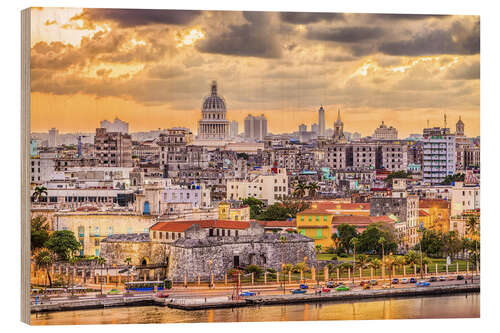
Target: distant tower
338	127
460	128
444	121
321	121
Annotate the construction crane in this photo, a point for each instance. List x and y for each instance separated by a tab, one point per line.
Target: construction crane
79	154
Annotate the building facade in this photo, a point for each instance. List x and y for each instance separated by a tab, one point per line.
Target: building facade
384	132
213	124
113	149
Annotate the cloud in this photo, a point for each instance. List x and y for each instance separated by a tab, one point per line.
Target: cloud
306	18
252	39
136	17
400	17
467	71
455	40
345	34
50	22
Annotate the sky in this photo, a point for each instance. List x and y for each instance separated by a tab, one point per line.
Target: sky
153	68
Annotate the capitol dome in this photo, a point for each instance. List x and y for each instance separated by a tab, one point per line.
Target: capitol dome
214	102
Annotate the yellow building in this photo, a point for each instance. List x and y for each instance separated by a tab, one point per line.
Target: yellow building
91	227
233	212
317	225
439	214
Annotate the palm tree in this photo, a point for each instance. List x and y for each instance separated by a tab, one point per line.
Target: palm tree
381	241
39	192
101	261
313	187
472	226
389	262
362	260
353	242
336	241
375	263
45	258
300	190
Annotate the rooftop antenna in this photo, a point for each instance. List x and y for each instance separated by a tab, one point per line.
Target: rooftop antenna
427	123
445	120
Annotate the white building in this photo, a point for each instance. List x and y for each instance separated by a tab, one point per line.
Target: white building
255	127
233	129
384	132
439	157
213	124
53	133
321	121
463	198
268	184
43	167
116	126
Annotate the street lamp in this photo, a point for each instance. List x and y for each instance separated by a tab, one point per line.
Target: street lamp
210	274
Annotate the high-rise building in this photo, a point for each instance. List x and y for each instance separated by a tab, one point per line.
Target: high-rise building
53	133
321	121
315	129
233	129
213	124
384	132
113	149
255	127
439	155
116	126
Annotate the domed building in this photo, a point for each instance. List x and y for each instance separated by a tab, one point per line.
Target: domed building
213	124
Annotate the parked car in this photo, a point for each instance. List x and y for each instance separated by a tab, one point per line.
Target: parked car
404	281
366	286
325	290
330	284
413	280
299	291
433	279
373	282
247	293
342	288
395	281
442	278
423	284
114	292
161	294
460	277
303	286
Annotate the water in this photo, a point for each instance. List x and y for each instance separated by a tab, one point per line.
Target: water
455	306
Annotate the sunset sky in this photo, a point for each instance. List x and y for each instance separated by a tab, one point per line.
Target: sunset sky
152	68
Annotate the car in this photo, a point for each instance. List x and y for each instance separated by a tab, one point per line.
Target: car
114	291
373	282
433	279
395	281
303	286
330	284
413	280
404	281
342	288
247	293
423	284
299	291
366	286
460	277
161	294
325	290
442	278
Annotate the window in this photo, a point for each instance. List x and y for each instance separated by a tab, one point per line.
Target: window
319	233
110	231
96	232
81	231
154	234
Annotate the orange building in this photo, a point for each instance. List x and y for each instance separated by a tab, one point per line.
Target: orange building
438	217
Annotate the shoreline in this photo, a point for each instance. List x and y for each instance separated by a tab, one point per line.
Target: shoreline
195	304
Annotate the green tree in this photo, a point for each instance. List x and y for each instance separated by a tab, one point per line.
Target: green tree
375	263
275	212
63	243
39	193
300	190
411	258
451	244
313	188
318	248
363	260
369	240
294	206
257	270
255	205
432	243
459	177
346	232
44	259
39	232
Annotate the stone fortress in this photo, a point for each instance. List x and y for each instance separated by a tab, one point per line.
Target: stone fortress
205	248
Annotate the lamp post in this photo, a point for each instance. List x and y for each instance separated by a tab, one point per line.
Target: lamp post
421	231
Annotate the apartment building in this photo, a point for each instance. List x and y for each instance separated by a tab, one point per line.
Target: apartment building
113	149
439	155
267	184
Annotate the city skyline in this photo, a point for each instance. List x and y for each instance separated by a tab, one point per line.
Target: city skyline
153	71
